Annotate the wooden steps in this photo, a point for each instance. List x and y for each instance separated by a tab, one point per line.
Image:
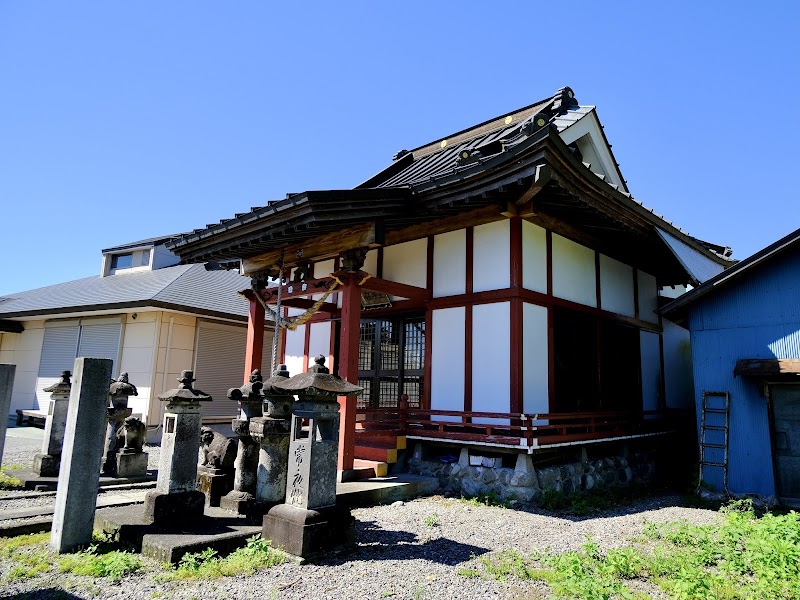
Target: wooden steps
366	469
378	442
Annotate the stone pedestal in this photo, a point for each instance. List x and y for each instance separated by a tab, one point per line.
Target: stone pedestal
46	463
131	459
6	387
310	522
78	481
176	497
131	464
214	484
307	533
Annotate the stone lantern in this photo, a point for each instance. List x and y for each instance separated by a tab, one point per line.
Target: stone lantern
118	411
309	521
241	498
176	497
47	462
271	432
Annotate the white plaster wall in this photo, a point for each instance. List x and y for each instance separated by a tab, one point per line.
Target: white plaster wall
371	263
491	349
319	342
535	384
648	297
678	366
323	269
534	257
406	263
295	344
450	263
491	256
573	272
175	353
616	287
447	360
137	357
24	350
651	369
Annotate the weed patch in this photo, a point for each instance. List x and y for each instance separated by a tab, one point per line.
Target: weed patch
432	520
490	499
256	556
742	557
9	482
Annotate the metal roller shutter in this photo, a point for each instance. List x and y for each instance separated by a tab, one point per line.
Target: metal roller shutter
219	364
58	350
100	341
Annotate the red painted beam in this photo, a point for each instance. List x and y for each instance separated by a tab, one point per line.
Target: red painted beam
349	337
255	338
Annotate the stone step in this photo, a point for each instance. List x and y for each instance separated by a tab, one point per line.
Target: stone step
375	452
365	469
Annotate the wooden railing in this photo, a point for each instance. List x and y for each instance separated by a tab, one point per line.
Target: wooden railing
512	429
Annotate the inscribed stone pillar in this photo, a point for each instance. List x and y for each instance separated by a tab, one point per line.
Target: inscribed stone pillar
118	411
309	521
46	462
78	480
176	497
6	387
241	498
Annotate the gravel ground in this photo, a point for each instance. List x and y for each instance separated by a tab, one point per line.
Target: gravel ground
399	556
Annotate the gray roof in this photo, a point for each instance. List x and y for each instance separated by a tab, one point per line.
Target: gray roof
699	267
153	241
189	288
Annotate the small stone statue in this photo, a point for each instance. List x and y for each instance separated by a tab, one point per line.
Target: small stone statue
131	436
120	390
216	450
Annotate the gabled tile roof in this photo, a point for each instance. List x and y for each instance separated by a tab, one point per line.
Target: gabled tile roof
189	288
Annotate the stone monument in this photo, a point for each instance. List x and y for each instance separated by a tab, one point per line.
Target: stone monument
309	521
271	433
176	497
78	479
131	458
118	411
240	500
6	387
215	465
46	463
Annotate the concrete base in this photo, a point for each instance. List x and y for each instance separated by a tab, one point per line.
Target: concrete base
214	484
33	481
308	533
46	465
215	529
384	490
177	507
131	465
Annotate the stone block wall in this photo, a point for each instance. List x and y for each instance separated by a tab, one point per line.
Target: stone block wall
526	483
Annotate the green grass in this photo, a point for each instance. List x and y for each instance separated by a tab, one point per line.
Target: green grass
591	502
30	555
490	499
432	520
9	482
256	556
742	557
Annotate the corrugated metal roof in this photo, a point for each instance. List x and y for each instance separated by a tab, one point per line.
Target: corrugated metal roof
189	287
700	267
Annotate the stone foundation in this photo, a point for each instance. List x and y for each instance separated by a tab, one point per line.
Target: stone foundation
526	482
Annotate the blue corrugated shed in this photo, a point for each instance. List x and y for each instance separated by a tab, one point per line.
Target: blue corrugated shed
750	311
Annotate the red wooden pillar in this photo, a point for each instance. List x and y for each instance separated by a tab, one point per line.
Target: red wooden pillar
255	338
348	368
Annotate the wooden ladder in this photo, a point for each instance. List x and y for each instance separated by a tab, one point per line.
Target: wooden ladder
711	406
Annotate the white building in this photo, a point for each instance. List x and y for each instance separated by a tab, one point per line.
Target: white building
150	315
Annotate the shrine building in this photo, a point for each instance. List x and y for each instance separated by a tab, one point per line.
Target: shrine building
495	289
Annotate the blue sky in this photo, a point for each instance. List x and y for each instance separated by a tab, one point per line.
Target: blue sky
126	120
